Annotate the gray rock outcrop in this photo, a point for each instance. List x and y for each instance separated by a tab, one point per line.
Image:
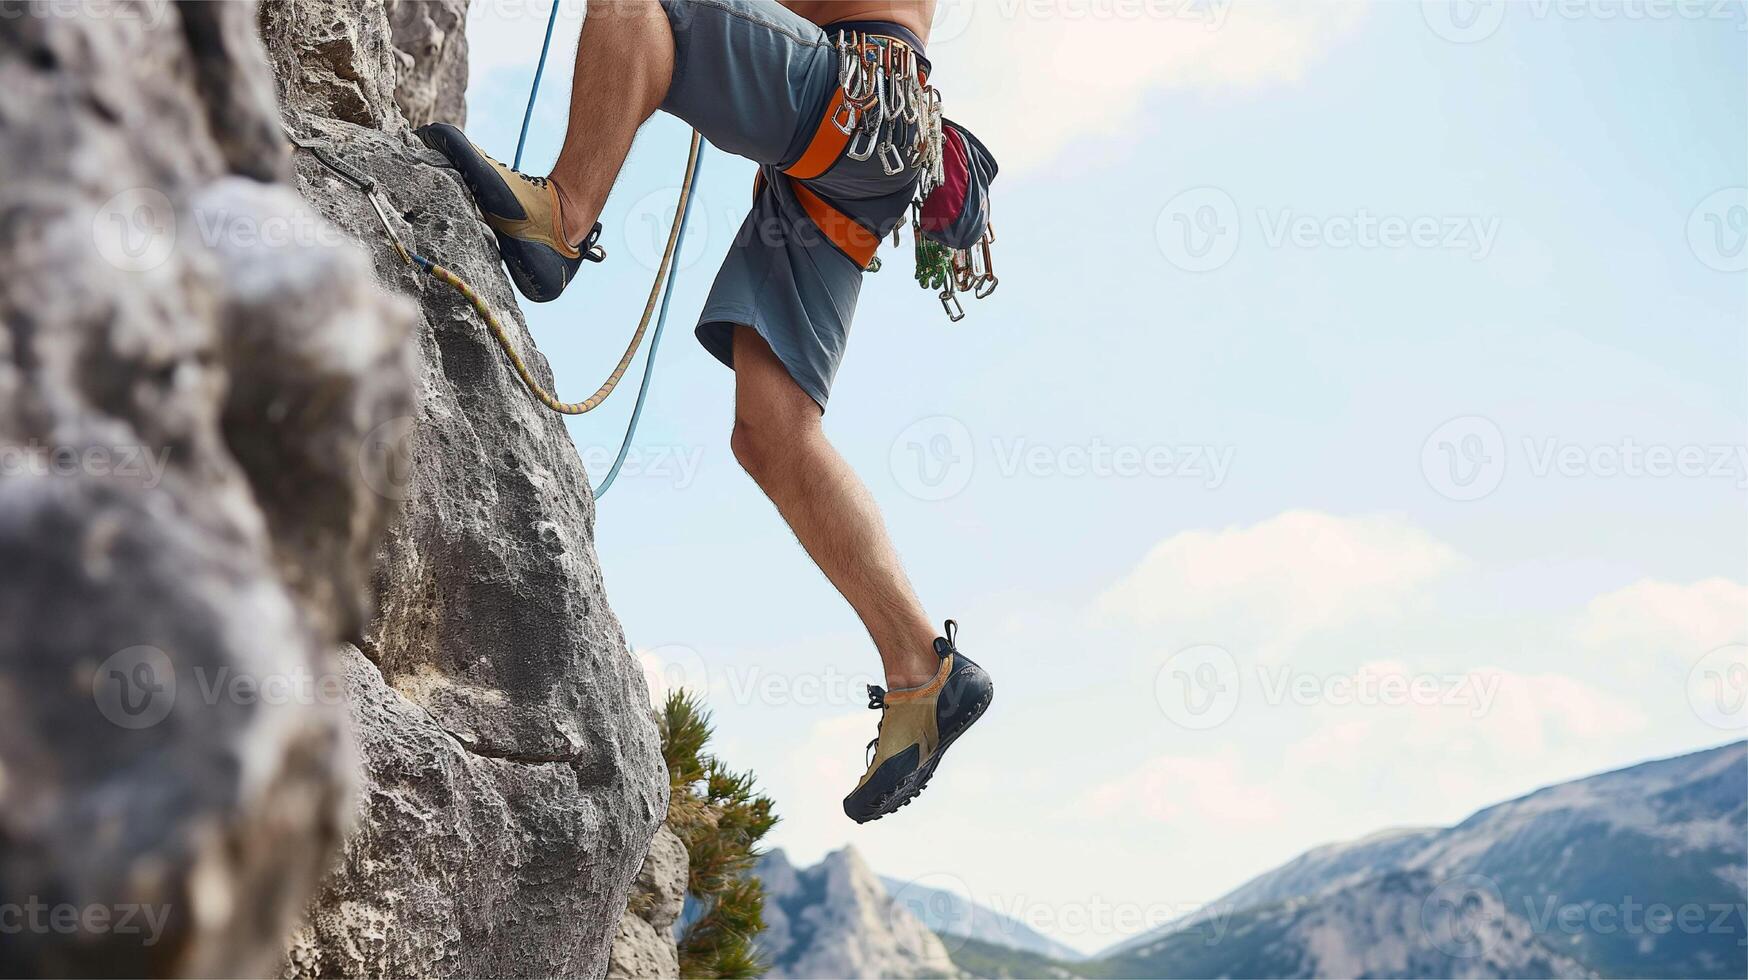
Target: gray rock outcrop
430	41
645	947
513	777
836	919
189	372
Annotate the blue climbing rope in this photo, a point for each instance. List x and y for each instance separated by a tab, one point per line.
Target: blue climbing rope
534	90
655	339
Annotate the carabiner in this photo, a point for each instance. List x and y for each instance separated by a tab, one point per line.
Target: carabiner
890	160
950	303
849	116
862	144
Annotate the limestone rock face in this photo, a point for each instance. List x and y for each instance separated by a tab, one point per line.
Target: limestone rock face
836	919
645	946
191	364
513	770
430	39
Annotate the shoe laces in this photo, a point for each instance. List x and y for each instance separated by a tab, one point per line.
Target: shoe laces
877	701
536	181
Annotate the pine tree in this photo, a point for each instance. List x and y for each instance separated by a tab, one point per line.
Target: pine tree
721	817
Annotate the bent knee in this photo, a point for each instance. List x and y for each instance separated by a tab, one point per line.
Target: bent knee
763	442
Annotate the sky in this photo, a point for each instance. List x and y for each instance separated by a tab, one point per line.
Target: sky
1357	437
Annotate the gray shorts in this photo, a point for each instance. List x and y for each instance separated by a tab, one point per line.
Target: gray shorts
754	79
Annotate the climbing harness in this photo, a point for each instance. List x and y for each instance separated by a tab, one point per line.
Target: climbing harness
883	84
661	288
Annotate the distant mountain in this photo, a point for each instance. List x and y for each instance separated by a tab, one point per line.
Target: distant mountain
1639	872
1642	872
836	919
1393	925
1307	874
955	917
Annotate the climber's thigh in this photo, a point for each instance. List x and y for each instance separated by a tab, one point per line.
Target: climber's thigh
749	75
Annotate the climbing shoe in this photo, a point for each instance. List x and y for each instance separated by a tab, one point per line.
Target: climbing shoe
524	213
916	727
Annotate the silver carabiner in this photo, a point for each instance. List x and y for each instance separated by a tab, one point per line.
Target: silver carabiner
950	303
849	116
862	144
890	160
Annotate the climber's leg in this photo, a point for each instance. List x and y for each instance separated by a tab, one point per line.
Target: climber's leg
625	61
778	438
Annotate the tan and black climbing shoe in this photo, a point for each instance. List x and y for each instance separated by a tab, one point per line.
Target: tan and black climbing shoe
524	213
916	727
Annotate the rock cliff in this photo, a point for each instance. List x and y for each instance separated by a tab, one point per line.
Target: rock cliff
212	407
189	376
645	947
512	770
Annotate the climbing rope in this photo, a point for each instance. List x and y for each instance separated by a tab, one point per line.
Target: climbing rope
662	287
534	90
502	335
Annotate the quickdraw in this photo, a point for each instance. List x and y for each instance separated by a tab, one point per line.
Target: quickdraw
883	85
953	271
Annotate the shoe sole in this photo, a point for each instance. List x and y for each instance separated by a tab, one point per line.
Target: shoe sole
492	196
913	785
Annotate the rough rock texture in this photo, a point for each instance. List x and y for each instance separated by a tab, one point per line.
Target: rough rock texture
430	39
645	946
189	367
513	770
836	919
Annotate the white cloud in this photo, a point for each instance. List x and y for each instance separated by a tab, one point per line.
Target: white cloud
1631	628
1279	580
1036	76
1179	789
1031	77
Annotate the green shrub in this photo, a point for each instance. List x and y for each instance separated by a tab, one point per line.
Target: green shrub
721	818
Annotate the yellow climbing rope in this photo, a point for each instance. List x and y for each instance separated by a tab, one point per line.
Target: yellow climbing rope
367	186
502	335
